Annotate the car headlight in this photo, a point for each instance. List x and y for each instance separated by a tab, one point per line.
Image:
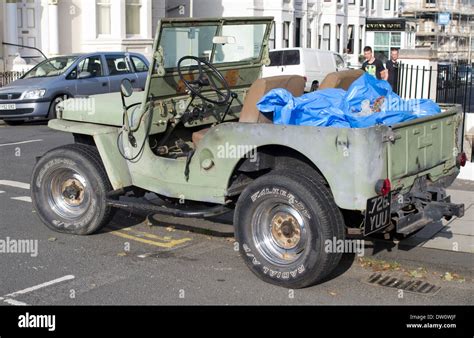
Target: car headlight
34	94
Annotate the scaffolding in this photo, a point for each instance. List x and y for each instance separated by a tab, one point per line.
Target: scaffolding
452	42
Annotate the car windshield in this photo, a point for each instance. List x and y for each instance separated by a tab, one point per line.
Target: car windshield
51	67
245	43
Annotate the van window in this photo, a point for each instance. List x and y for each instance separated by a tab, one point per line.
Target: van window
285	58
276	58
291	57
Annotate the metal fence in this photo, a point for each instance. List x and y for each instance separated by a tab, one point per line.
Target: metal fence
446	83
7	77
455	85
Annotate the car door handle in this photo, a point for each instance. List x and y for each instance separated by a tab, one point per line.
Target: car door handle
104	84
133	81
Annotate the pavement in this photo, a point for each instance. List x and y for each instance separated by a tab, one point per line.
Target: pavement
454	235
162	260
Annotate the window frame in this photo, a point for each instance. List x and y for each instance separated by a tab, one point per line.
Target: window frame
107	4
76	68
142	60
125	57
133	4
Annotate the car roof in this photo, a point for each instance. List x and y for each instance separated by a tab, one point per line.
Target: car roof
104	53
304	49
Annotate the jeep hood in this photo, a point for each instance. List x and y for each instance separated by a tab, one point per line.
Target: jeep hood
103	109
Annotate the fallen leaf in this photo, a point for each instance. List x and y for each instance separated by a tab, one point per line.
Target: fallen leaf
332	293
416	274
170	229
448	276
52	239
122	254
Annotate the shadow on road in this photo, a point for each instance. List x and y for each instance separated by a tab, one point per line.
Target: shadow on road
217	227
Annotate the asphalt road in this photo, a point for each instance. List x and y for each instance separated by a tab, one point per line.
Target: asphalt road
177	262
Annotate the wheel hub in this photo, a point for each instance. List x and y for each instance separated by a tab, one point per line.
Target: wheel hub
69	194
286	230
73	192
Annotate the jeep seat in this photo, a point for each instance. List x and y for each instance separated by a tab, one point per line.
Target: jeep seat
342	79
250	114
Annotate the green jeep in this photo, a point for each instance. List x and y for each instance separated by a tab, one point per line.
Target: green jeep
195	138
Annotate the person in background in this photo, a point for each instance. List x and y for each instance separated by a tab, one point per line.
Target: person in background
372	66
392	69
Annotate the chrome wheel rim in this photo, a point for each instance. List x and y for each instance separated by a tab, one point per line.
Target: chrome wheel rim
279	232
68	194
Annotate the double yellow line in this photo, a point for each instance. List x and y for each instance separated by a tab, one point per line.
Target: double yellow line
146	238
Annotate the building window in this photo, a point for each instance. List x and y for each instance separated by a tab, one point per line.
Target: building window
361	35
361	3
387	4
326	37
297	33
372	5
286	34
338	38
272	38
352	2
132	13
103	17
350	39
383	42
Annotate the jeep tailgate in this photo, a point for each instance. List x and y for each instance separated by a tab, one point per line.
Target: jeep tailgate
424	144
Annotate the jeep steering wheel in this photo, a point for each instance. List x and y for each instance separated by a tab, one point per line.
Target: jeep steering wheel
204	80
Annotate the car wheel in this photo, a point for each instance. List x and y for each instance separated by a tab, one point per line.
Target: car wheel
14	122
53	108
69	189
282	223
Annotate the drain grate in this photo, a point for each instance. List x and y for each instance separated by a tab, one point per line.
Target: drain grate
409	285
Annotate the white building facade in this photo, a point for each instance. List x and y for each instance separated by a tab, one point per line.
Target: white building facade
74	26
337	25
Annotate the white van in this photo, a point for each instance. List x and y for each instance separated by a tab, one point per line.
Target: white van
313	64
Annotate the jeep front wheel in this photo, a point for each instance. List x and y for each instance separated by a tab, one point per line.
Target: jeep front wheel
69	187
282	222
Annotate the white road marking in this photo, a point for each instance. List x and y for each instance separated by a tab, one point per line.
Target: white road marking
2	192
18	143
15	184
22	198
40	286
14	302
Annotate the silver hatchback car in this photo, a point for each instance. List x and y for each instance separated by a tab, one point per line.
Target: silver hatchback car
37	93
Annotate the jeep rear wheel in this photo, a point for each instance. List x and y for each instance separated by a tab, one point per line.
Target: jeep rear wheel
69	188
282	222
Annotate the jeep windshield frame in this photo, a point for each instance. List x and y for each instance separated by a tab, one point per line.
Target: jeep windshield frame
179	37
184	37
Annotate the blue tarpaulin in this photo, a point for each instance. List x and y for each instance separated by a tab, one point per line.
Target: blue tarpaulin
340	108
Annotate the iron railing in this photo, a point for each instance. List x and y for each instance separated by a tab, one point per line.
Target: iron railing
8	77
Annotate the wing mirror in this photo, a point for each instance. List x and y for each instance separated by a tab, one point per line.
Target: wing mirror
126	88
